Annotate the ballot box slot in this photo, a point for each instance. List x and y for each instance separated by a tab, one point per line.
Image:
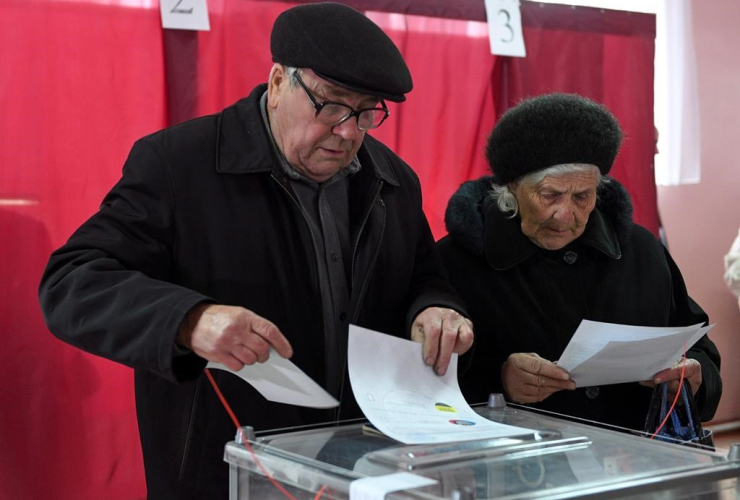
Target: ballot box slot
421	456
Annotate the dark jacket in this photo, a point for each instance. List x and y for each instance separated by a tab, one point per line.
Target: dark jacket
522	298
204	213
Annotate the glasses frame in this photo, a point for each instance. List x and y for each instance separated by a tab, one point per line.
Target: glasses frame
318	106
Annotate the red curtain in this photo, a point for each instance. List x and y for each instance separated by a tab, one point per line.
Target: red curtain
80	80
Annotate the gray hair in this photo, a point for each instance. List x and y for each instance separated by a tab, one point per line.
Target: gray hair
504	196
291	72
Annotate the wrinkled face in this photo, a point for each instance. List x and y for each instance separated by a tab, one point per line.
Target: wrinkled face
316	150
554	212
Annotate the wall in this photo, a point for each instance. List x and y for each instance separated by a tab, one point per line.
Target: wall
701	220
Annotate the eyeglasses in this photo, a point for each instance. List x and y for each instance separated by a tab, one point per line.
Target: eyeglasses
332	113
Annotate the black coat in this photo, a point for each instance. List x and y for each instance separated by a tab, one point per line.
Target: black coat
204	213
522	298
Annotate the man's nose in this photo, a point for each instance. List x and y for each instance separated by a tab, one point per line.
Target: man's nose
348	129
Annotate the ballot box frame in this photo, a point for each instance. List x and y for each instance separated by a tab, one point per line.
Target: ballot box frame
288	456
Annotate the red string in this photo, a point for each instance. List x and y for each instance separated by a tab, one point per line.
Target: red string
249	447
675	399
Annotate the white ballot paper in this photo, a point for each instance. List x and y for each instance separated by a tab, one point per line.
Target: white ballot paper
606	353
406	400
281	381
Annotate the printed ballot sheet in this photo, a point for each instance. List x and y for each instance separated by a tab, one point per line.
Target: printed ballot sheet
607	353
406	400
281	381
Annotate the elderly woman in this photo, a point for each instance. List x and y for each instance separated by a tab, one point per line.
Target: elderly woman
549	241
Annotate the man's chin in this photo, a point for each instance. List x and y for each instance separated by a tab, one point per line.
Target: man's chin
325	170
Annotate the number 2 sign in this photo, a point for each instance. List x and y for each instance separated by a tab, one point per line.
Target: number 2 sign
505	28
184	14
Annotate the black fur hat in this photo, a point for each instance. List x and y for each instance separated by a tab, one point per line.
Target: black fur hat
549	130
342	46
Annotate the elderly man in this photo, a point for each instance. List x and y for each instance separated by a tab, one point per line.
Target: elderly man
549	241
273	224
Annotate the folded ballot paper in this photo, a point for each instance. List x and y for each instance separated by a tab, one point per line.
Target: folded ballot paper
281	381
606	353
405	400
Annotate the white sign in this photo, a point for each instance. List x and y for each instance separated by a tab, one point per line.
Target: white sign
185	14
505	28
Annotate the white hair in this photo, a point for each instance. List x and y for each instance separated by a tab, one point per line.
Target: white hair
504	196
290	72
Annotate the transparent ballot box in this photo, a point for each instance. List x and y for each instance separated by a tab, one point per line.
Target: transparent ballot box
562	459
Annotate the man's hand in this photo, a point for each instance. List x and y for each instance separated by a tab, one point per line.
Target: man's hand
528	378
692	375
441	331
232	336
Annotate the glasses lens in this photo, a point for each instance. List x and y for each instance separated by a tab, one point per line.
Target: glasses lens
370	118
331	114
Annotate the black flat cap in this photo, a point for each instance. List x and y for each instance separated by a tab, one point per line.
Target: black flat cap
342	46
549	130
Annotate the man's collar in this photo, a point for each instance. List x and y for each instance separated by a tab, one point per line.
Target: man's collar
243	144
506	245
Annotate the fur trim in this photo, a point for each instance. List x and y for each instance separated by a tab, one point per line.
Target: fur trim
615	203
464	217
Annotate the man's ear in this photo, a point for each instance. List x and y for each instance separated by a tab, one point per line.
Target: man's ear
277	85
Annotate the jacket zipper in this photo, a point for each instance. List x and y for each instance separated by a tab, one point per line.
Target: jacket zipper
363	287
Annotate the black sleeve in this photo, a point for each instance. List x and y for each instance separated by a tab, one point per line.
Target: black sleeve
430	285
109	289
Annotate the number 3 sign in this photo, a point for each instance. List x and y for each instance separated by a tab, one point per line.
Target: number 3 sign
184	14
505	28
